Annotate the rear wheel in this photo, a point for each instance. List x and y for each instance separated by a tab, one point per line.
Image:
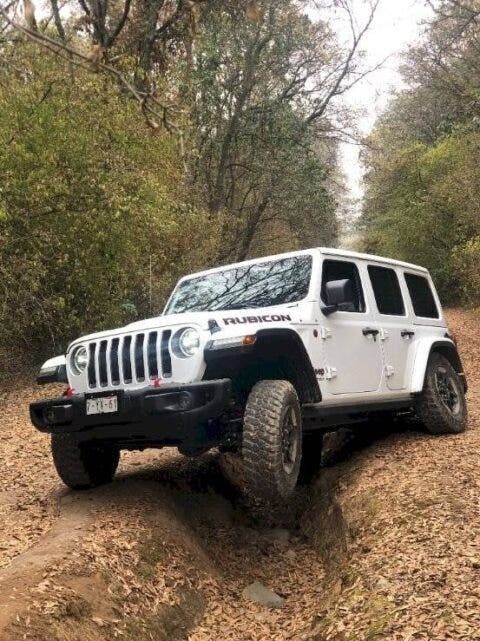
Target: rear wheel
442	406
83	465
272	441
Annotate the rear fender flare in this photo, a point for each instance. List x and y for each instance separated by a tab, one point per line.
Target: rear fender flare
446	347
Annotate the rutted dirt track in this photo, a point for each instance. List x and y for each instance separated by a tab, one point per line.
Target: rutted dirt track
385	543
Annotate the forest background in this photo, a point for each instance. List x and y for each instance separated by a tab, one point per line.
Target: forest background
142	140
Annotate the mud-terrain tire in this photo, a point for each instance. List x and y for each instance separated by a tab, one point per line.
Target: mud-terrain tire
441	406
272	441
83	465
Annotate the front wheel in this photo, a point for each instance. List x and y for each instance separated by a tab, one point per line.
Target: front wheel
441	406
272	441
83	465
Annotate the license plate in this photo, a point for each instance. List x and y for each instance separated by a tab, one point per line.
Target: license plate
102	405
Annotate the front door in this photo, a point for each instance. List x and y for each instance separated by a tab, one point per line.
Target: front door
351	349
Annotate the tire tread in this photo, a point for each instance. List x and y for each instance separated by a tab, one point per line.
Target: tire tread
262	440
434	416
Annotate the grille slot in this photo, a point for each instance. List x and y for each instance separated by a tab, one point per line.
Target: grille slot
131	359
139	364
165	354
102	364
114	362
152	355
92	379
127	363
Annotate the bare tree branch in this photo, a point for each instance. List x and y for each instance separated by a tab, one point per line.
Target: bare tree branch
120	24
157	111
57	19
346	69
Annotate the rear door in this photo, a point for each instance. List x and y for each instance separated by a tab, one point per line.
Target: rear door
396	328
351	349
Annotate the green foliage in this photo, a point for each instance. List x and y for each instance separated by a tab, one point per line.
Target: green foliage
466	260
423	180
103	207
91	203
422	206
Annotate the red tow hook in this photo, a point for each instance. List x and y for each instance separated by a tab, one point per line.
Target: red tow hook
156	382
69	392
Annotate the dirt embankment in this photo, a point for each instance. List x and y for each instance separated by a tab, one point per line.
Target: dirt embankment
385	543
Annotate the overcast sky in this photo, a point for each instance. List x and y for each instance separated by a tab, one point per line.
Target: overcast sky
397	24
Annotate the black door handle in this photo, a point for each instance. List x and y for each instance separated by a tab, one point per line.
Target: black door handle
407	333
370	331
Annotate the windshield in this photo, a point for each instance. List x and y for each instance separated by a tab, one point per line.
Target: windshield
263	284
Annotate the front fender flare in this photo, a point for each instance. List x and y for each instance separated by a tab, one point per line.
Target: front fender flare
425	347
278	346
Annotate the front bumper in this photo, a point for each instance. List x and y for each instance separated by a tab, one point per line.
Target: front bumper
168	415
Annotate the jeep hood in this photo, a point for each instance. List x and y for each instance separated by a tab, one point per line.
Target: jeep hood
200	320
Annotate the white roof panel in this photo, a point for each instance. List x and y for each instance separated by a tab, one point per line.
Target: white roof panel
371	257
326	251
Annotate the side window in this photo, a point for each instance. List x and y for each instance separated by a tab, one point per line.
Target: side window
423	301
340	270
386	289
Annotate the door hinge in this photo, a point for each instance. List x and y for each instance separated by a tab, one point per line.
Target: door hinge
325	333
389	371
383	334
330	372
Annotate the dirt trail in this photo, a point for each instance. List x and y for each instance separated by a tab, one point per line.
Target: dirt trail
385	544
26	570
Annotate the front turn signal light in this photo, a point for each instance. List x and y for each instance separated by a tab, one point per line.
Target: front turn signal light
233	341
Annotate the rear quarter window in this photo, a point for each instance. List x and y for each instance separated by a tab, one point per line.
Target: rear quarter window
421	295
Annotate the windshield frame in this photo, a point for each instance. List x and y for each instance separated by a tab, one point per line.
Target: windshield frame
257	261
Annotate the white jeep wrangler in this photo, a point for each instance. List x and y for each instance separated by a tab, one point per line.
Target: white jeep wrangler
253	358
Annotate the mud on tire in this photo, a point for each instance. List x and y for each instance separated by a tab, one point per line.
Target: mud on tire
272	441
83	465
442	406
232	468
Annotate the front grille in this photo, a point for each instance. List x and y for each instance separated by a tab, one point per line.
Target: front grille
130	359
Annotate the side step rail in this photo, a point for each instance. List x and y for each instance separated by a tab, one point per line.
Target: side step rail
319	416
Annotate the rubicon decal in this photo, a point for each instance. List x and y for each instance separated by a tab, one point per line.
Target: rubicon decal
268	318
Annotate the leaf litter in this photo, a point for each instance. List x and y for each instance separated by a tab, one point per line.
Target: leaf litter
385	543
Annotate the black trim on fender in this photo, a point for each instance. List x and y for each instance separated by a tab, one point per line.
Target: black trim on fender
304	369
452	351
266	356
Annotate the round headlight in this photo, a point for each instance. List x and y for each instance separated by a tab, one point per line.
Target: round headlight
79	359
186	342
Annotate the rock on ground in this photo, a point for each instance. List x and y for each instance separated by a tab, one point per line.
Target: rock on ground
260	594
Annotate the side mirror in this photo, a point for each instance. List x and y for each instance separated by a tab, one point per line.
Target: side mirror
339	296
53	371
